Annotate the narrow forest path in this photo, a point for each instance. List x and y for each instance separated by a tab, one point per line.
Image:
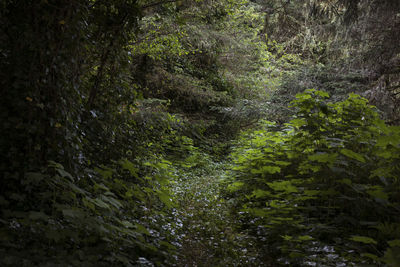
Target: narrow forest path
208	233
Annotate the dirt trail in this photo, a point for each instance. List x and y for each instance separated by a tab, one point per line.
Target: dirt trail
208	233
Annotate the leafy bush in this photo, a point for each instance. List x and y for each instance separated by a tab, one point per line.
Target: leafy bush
324	187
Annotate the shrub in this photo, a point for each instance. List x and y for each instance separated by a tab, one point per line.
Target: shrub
324	187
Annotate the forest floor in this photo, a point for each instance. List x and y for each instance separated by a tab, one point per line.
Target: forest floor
208	233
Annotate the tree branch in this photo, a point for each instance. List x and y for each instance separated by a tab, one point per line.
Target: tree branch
158	3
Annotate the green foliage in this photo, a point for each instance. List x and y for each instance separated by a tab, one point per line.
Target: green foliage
114	114
329	174
100	218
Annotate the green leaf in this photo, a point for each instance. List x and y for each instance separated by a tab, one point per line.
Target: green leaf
102	186
88	203
270	169
298	122
363	239
311	192
64	174
352	154
129	166
371	256
383	141
76	189
117	204
235	186
287	237
141	229
283	186
98	202
394	243
105	172
323	157
165	198
258	193
377	192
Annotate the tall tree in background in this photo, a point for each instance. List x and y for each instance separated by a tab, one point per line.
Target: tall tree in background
347	37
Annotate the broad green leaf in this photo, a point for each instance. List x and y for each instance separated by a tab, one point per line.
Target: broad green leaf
377	192
321	93
270	169
298	122
258	193
235	186
383	171
283	186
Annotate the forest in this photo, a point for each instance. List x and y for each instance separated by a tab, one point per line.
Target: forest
200	133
